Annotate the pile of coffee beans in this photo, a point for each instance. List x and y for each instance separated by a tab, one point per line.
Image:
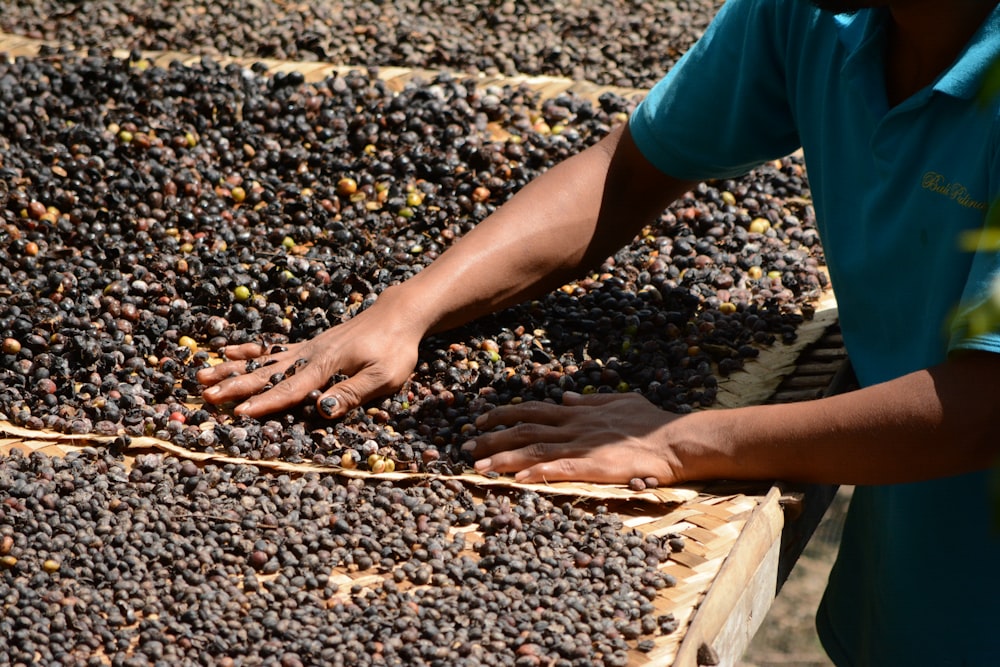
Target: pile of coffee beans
173	564
152	215
617	43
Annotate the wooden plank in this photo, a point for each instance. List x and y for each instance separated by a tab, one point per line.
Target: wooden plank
740	572
750	609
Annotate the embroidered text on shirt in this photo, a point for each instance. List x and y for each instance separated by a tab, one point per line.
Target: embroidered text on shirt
957	192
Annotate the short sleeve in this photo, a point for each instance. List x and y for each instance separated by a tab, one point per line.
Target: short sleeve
724	108
976	324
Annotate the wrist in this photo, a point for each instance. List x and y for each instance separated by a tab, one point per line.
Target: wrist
406	309
701	448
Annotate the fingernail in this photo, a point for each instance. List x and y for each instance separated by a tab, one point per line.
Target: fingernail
328	405
210	392
521	476
574	394
480	420
483	465
242	408
469	446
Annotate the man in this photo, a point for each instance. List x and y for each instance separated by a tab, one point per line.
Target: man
902	160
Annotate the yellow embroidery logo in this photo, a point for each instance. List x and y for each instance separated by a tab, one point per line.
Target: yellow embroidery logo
957	192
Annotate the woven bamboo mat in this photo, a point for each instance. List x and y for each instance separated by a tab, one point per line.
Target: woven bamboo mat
762	377
710	525
726	534
396	78
53	443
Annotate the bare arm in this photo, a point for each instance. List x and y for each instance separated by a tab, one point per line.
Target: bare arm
927	424
570	218
932	423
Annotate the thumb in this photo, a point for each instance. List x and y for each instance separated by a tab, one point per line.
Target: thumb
351	393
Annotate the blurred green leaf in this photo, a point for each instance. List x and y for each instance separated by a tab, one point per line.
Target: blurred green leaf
991	84
995	492
986	239
972	240
989	238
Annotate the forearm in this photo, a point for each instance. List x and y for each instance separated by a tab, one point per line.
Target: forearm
565	221
928	424
570	218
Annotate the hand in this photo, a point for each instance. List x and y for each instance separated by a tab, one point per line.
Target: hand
378	355
598	438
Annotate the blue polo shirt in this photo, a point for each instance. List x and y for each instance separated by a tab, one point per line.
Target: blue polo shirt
917	579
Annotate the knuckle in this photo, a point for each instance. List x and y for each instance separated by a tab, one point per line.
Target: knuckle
349	394
234	352
537	451
526	432
389	376
258	376
566	468
287	388
376	376
379	380
222	370
533	409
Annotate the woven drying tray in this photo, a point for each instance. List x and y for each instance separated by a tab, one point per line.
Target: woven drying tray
756	383
725	535
395	77
725	538
731	535
725	573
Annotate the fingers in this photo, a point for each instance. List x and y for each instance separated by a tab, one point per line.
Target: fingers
570	470
541	462
369	383
339	370
573	398
563	461
536	412
237	357
245	351
522	427
234	381
273	382
283	395
282	381
526	438
536	452
540	412
522	447
543	442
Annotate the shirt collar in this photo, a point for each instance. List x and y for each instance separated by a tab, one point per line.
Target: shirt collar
965	77
863	31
